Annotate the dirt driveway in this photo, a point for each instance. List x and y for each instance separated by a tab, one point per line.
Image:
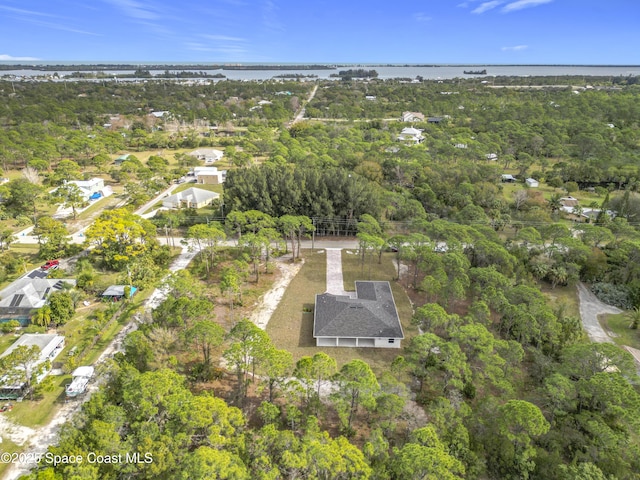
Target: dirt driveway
590	309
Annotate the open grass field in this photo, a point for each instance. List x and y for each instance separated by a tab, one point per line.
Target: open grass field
562	297
31	413
9	447
6	340
618	326
291	325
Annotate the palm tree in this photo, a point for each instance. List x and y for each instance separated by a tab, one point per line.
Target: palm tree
42	316
634	316
558	275
554	203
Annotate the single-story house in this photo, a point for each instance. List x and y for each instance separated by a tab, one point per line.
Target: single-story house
491	156
412	117
209	175
90	187
410	134
569	201
532	183
50	346
21	297
461	145
368	320
190	198
207	155
435	119
115	293
370	97
507	177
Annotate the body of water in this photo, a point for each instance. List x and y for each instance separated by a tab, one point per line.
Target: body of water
443	72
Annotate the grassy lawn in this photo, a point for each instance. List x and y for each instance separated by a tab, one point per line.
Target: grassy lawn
291	328
7	446
32	413
6	340
567	296
102	204
619	326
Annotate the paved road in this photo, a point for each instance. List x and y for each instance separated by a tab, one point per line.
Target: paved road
590	309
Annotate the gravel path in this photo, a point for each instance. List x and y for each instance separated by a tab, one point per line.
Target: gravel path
270	300
37	440
590	309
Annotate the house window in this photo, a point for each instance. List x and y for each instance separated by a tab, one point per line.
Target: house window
392	340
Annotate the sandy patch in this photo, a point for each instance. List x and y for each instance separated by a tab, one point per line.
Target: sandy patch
269	301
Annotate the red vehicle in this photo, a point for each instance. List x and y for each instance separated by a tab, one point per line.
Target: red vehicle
51	265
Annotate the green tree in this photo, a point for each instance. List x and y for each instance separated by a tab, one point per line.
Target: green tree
69	195
119	236
205	335
42	316
53	238
65	171
61	305
138	350
314	372
206	462
634	317
425	457
276	367
22	367
23	196
519	423
357	386
248	345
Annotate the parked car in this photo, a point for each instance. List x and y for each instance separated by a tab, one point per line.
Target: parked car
51	265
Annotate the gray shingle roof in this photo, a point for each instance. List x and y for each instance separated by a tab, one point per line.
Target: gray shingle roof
371	314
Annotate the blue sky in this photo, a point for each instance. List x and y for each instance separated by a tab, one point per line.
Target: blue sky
323	31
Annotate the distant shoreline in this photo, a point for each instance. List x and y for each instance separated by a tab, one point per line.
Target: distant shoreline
43	65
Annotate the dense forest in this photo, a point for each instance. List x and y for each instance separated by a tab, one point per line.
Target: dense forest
500	382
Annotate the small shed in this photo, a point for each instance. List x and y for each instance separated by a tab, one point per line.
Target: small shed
532	183
122	158
115	293
507	177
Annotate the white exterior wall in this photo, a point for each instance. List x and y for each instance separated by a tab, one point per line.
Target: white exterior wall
358	342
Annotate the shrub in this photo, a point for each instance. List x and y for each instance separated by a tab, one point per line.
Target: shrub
617	295
10	326
22	221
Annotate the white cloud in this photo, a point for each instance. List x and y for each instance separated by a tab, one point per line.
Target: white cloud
421	17
516	48
486	6
520	4
224	38
270	18
21	11
5	57
135	9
